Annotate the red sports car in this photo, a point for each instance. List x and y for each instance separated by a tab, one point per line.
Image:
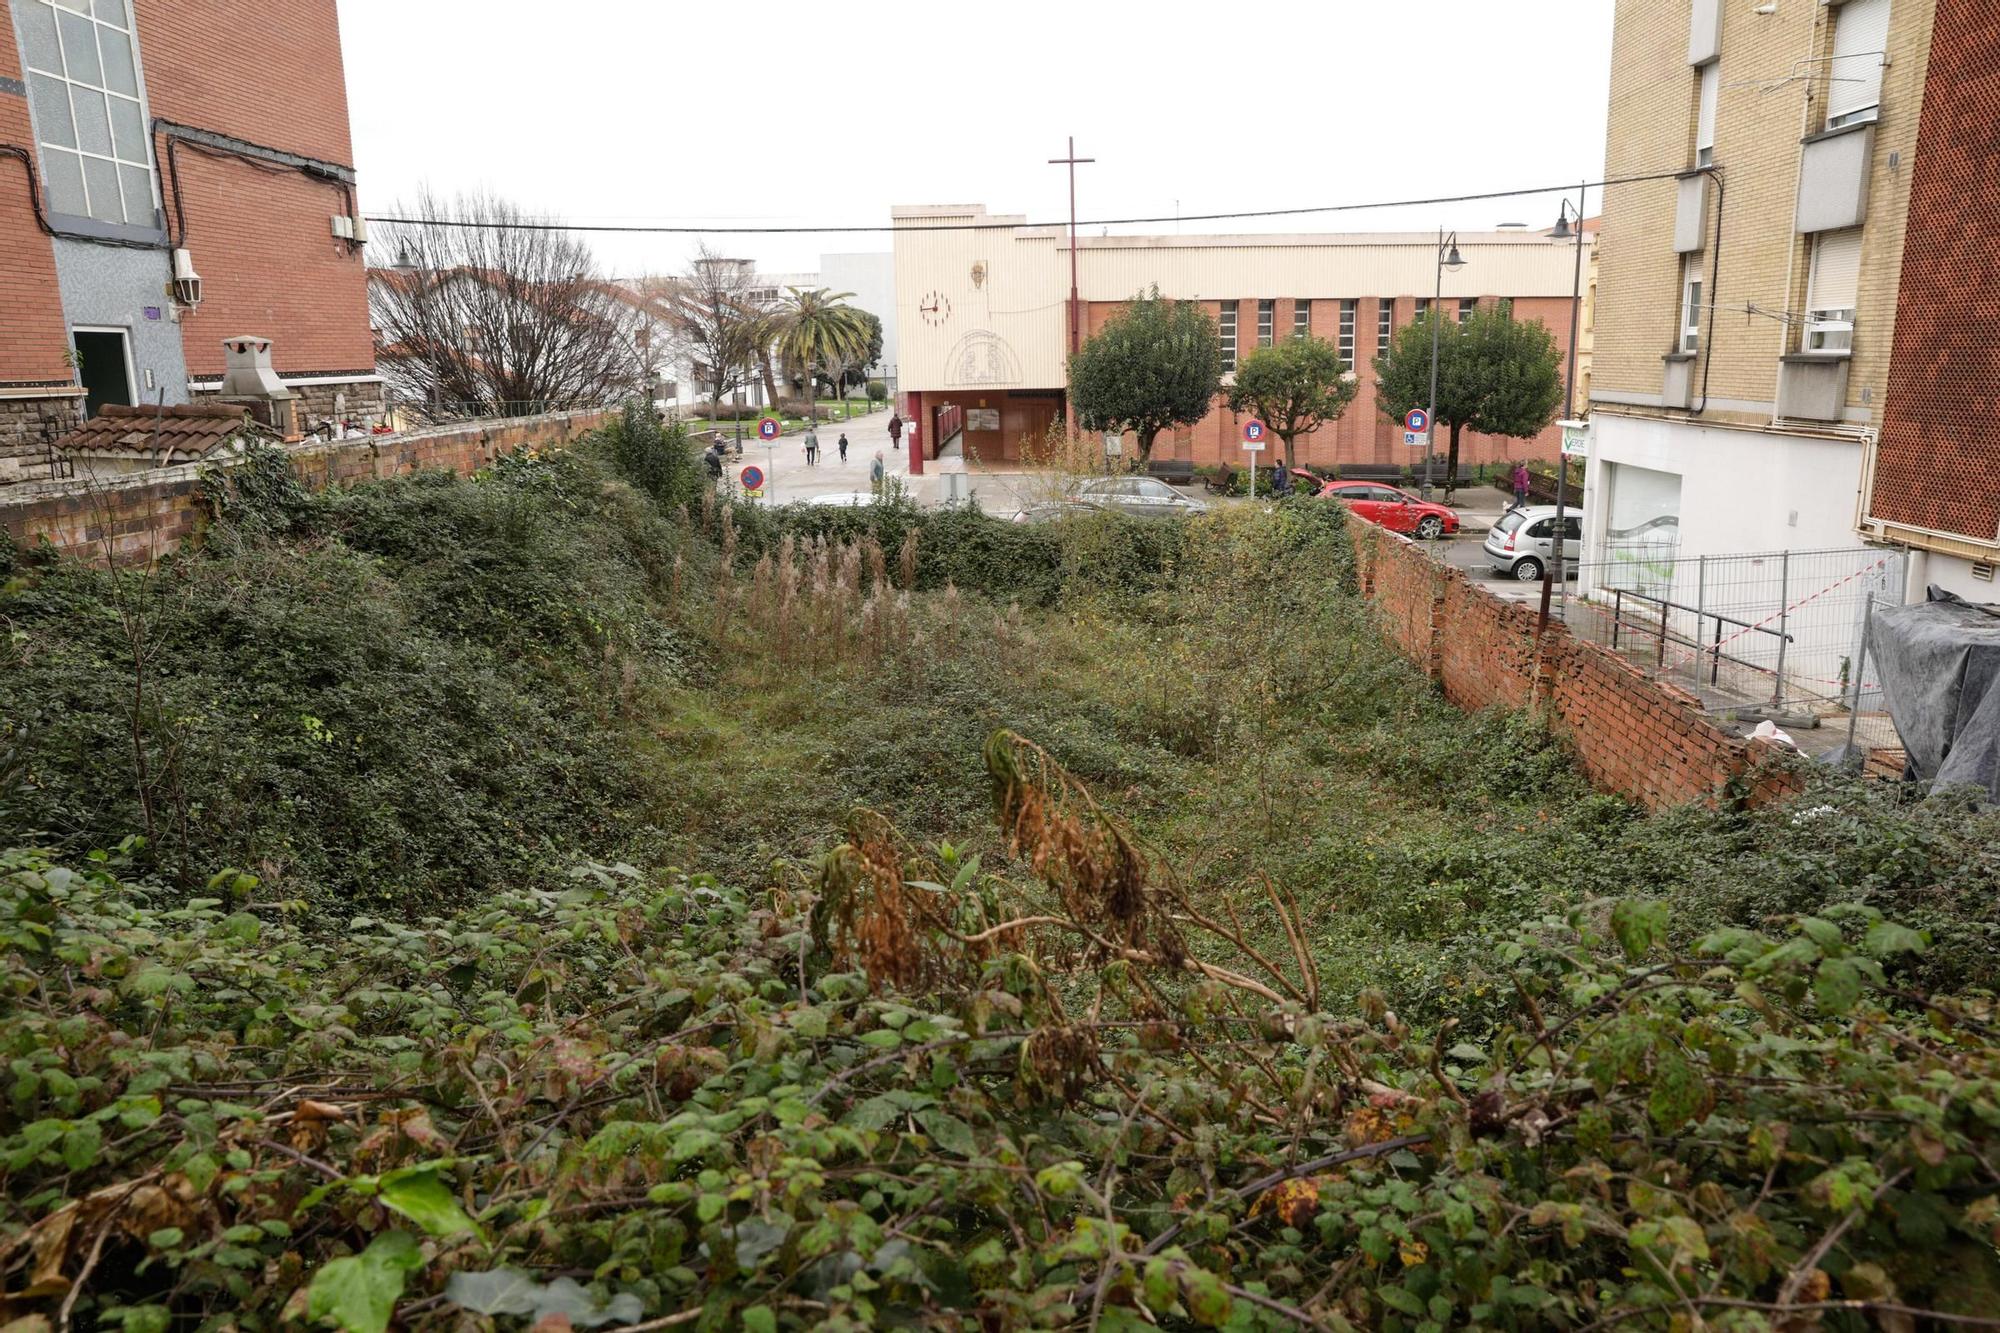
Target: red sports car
1396	510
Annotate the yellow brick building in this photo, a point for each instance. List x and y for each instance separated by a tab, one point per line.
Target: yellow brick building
1748	289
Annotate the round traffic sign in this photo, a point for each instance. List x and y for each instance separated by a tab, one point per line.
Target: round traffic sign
768	428
752	478
1418	420
1253	431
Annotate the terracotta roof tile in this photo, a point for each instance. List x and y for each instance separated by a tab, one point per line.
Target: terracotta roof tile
182	434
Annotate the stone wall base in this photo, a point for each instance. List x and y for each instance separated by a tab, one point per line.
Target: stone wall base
27	427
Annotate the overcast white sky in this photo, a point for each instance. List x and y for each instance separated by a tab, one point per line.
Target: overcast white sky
772	112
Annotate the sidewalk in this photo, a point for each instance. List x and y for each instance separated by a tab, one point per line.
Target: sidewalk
1479	507
787	478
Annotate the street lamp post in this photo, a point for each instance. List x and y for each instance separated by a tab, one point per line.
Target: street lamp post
1552	573
1453	261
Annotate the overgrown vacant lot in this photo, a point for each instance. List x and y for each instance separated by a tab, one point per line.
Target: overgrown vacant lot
1090	923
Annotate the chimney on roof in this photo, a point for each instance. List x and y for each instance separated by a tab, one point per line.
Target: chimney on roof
249	379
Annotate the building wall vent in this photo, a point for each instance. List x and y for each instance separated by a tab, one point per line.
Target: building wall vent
1983	571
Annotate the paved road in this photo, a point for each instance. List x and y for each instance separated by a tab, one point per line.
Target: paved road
1466	552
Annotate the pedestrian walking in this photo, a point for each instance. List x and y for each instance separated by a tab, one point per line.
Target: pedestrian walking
843	446
895	430
1520	484
875	473
1281	481
812	447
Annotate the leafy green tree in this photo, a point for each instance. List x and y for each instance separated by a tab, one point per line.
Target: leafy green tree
818	333
1496	374
1294	387
1157	364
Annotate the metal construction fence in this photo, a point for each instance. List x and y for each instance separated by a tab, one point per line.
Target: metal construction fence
1777	629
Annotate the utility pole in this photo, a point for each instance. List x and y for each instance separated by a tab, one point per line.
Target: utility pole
1075	310
1552	576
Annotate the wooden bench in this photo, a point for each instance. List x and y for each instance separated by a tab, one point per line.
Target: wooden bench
1386	472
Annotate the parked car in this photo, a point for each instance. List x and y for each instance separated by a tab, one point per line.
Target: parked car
1140	497
1046	511
842	500
1396	510
1523	542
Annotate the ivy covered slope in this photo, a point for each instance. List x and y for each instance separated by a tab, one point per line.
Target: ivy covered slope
912	1093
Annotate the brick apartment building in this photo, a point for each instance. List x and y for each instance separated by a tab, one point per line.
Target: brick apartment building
983	317
1934	478
1789	349
172	174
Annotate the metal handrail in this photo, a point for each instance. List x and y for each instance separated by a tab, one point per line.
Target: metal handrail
1713	651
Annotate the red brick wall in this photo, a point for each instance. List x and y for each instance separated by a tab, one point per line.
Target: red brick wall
1363	434
1939	466
33	336
137	520
269	73
1630	735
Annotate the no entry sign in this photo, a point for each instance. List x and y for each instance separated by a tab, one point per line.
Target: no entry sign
768	429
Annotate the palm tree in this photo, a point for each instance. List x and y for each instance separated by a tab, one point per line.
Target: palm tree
816	330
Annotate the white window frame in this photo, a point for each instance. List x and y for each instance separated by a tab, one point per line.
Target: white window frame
1423	306
1872	63
1226	326
1466	305
1707	91
73	89
1349	308
1267	322
1302	318
1691	305
1829	329
1385	325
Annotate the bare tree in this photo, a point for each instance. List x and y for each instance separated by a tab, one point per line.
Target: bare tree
719	323
491	312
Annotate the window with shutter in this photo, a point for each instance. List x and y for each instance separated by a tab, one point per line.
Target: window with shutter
1854	77
1691	308
1830	292
1704	135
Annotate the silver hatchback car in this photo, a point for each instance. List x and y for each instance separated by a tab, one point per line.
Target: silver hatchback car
1523	542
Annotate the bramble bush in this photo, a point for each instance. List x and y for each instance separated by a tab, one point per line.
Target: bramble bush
910	1091
1282	995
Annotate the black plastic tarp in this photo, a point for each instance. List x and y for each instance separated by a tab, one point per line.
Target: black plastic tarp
1939	663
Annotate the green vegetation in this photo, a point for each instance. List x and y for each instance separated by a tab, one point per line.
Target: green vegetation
1496	374
1294	386
1277	994
1155	365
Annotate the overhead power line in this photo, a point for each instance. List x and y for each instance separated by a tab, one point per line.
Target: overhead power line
920	225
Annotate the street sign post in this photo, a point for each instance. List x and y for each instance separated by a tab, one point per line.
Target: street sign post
1576	438
752	478
1253	443
768	429
1417	422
